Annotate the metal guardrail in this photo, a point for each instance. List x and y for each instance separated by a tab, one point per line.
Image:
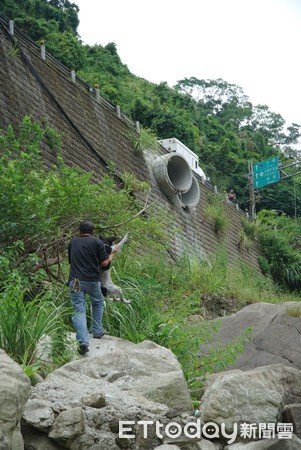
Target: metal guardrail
32	45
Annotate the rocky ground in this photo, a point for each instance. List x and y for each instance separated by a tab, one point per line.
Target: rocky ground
254	405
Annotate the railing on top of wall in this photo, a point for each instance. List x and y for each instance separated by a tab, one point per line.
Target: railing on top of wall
67	73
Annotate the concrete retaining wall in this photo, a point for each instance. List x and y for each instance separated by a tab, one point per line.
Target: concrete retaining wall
94	135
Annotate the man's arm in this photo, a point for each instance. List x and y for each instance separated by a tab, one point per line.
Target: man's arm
107	261
104	258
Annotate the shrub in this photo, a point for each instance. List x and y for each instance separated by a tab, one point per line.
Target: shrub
283	260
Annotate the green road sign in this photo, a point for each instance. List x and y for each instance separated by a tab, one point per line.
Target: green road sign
266	172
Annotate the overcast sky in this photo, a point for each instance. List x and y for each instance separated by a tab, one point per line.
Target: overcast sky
254	44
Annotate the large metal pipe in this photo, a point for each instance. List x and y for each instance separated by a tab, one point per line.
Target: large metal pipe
172	173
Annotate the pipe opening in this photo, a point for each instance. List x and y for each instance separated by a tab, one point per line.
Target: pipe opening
172	173
192	197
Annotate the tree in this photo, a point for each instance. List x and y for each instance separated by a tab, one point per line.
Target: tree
218	97
269	123
28	14
66	48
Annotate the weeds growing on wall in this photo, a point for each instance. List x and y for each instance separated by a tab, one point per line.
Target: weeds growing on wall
247	234
215	211
145	140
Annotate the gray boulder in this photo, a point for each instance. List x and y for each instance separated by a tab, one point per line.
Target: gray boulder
167	447
276	335
80	405
201	445
268	444
292	414
256	396
14	391
208	445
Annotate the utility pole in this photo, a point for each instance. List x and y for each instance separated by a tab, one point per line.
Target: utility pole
252	211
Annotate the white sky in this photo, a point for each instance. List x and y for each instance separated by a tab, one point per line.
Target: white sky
254	44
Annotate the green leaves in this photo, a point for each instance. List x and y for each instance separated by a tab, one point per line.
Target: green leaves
279	236
40	211
23	324
66	47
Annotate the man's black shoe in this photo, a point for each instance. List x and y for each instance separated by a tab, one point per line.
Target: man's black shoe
99	336
83	348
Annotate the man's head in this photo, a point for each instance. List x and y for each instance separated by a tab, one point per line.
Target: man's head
86	227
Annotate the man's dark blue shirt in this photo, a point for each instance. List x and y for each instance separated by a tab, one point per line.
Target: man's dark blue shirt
85	254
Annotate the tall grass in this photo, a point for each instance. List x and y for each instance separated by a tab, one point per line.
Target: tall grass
131	321
23	323
163	295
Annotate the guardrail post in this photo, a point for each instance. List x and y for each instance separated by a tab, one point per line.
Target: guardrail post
118	112
215	189
97	94
73	76
11	27
137	125
43	50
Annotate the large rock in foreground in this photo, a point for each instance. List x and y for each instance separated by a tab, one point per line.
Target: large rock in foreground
14	391
254	397
79	406
276	335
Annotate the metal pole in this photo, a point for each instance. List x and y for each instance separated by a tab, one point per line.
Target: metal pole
11	27
295	200
252	211
43	50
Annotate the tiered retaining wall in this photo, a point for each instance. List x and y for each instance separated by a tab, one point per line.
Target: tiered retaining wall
95	133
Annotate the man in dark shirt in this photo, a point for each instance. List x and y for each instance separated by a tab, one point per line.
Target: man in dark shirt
86	255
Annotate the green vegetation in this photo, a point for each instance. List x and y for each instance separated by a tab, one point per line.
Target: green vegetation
35	328
214	118
146	140
279	236
40	211
39	214
294	311
248	234
215	211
